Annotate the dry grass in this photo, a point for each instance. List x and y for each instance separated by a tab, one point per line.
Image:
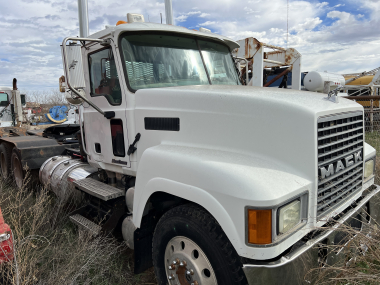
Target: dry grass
358	261
49	249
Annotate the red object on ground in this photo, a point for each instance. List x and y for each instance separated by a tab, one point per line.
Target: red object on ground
6	244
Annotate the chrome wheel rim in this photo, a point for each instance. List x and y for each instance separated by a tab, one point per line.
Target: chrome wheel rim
187	264
18	172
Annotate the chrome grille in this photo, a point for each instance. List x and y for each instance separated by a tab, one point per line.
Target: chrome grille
339	136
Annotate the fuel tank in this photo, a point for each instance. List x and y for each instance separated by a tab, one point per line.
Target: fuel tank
58	172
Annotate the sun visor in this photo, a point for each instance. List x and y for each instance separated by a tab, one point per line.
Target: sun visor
174	29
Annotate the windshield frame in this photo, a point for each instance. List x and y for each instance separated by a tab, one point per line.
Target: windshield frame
170	34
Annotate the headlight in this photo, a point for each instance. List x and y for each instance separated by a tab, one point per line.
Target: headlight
368	168
289	216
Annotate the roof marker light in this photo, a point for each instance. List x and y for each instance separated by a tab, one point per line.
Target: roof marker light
204	30
121	22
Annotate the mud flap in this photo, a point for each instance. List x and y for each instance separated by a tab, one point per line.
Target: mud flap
143	238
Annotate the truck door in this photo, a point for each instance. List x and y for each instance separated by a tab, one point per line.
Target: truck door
106	139
5	109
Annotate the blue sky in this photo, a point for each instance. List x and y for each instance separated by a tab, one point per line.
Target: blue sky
337	36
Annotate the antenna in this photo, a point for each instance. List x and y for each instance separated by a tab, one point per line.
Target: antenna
287	23
161	17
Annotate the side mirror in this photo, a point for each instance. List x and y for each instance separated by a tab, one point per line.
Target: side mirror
75	66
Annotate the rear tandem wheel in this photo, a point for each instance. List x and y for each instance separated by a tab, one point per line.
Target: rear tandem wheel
17	169
5	160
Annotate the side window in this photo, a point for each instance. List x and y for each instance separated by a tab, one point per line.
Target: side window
3	99
104	80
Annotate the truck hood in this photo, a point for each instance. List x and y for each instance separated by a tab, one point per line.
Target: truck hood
287	98
279	125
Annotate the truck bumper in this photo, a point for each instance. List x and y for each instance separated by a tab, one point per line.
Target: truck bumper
327	247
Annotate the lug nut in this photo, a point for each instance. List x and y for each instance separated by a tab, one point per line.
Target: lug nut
191	271
174	262
170	267
171	277
188	272
182	263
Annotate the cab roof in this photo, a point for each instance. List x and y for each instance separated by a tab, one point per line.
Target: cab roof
138	26
3	88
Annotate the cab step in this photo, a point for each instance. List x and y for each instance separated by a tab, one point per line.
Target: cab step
86	224
98	189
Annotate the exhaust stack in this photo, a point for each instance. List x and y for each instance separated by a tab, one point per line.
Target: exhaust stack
83	18
169	12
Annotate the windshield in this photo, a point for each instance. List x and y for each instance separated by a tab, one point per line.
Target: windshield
219	63
154	60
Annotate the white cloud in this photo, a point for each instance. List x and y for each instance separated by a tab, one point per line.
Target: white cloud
343	16
322	4
309	24
194	13
181	18
208	23
249	10
32	31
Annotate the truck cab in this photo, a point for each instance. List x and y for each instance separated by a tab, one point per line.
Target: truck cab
6	107
228	182
11	103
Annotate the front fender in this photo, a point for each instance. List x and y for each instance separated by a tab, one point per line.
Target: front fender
223	183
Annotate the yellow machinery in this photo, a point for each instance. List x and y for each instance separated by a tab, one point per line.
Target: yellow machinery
365	80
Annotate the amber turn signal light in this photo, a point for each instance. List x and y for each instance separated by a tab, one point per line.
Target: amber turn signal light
259	226
121	22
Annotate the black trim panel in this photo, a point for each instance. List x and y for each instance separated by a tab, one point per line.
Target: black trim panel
162	124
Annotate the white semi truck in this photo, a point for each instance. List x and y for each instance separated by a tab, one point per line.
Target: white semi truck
211	182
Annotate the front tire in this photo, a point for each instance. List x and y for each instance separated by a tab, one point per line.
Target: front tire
190	247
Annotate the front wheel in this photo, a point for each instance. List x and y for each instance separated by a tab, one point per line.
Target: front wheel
190	247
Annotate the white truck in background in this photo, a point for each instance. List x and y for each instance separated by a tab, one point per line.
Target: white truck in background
11	102
211	182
